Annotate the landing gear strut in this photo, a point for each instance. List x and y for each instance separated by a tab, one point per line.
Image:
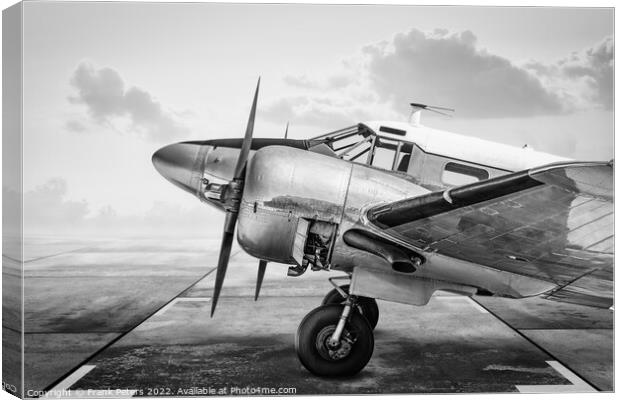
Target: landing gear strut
333	340
364	305
336	339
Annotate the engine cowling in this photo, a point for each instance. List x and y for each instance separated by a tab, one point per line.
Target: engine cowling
292	203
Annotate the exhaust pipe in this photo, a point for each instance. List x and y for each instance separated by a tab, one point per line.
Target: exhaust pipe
397	257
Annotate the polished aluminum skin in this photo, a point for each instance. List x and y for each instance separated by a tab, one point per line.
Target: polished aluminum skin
284	185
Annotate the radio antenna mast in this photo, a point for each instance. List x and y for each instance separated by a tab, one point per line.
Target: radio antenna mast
416	110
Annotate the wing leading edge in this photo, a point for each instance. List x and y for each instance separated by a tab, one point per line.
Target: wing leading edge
553	223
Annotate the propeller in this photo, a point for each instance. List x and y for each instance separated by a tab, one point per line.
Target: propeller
231	197
262	267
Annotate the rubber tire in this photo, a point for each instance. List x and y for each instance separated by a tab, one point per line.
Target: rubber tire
366	305
311	326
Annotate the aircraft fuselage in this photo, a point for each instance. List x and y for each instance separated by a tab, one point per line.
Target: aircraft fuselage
294	199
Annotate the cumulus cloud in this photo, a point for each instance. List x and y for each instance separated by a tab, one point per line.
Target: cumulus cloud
450	69
331	101
585	77
75	126
318	111
104	93
48	210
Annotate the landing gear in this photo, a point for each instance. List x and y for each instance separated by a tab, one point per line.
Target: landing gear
365	305
332	340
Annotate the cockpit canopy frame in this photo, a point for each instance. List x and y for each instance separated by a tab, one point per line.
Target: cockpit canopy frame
359	143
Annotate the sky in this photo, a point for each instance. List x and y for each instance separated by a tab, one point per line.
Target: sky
106	84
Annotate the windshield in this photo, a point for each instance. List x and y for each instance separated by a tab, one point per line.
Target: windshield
362	145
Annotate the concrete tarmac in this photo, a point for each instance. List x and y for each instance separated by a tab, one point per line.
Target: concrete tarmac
79	295
158	339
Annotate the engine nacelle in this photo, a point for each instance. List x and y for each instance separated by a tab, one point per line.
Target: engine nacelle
293	202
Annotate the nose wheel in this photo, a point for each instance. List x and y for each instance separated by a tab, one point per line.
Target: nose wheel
364	305
333	342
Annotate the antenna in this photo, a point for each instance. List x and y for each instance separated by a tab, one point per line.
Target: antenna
286	131
414	118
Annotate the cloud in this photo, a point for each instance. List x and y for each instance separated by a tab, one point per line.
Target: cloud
46	206
449	69
75	126
332	101
103	92
315	111
47	210
585	77
301	81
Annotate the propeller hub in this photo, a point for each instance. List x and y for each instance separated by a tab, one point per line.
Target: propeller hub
231	194
201	170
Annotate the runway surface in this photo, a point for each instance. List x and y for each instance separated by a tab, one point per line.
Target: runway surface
128	318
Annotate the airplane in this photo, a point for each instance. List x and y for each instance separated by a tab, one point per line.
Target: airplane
403	210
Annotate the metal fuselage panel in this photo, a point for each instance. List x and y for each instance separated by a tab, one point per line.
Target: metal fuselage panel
284	185
368	186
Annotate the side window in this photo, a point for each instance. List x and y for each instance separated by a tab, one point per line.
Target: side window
384	155
455	174
391	154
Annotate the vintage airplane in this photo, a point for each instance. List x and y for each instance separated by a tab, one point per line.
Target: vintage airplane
403	210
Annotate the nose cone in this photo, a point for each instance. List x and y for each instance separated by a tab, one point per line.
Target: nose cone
182	164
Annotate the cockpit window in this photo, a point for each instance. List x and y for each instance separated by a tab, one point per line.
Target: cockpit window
391	154
357	151
384	156
362	145
352	143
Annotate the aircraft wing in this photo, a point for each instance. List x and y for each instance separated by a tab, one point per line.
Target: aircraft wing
553	223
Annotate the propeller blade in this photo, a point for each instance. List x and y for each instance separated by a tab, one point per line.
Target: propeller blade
231	214
247	140
222	263
262	267
230	222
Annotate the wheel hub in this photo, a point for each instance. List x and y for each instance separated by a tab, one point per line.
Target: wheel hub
330	352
